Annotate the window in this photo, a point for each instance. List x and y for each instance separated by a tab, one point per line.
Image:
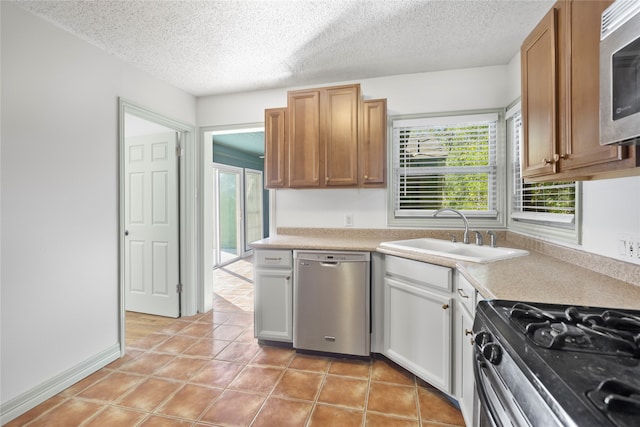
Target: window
536	206
446	161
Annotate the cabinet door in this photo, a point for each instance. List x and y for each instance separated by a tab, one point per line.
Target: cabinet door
275	147
273	305
465	361
581	145
539	99
339	125
373	143
304	138
417	332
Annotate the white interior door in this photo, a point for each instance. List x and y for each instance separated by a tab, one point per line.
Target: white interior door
151	250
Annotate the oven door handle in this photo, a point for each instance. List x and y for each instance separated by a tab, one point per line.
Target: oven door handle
492	393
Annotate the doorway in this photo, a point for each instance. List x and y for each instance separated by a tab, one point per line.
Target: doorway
227	214
238	212
157	215
240	146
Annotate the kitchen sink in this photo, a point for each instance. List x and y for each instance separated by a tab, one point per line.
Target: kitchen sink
456	250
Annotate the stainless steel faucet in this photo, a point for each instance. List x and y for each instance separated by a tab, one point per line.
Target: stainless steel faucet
479	240
465	236
494	238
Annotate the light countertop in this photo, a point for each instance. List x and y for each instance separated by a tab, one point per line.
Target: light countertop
535	278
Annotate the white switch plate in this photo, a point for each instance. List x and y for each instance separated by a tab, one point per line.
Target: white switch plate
348	220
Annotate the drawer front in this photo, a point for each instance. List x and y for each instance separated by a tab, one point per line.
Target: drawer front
418	272
273	258
466	294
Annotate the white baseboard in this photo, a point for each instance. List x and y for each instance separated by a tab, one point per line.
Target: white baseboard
32	398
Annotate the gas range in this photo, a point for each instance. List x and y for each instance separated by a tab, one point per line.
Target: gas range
549	364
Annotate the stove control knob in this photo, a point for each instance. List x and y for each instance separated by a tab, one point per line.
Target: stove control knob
492	352
482	338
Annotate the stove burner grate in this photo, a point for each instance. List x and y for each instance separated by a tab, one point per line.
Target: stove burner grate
619	400
606	332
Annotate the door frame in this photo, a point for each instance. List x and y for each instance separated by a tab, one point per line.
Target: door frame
205	238
188	208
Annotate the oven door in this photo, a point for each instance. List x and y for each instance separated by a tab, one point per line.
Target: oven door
497	405
620	74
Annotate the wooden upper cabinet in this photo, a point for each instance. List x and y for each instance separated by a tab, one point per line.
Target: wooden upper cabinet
560	99
304	138
275	149
580	136
373	143
339	133
326	137
539	98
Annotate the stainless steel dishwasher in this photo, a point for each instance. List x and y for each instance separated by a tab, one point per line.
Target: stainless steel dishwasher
331	294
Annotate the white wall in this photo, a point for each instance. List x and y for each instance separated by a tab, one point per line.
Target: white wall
468	89
60	196
610	206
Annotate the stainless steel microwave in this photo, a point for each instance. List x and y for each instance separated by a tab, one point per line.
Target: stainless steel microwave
620	73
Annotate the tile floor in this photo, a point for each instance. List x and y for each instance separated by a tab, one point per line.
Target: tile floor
208	370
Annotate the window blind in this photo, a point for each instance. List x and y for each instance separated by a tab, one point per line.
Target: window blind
550	202
445	162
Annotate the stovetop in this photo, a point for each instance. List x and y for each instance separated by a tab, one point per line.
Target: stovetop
584	360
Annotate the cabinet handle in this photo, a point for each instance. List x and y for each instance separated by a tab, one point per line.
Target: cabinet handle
468	332
445	306
564	156
462	294
272	259
553	160
288	278
471	341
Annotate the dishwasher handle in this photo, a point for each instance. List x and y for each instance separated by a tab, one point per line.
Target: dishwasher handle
330	263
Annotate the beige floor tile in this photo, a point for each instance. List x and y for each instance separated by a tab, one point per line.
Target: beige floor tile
112	387
257	379
190	401
283	413
114	416
149	394
331	416
343	391
394	400
72	412
298	385
234	409
208	369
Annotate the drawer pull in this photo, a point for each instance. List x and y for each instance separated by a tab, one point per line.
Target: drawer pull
462	294
272	259
445	306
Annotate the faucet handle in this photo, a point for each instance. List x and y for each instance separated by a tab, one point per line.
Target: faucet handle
493	237
479	240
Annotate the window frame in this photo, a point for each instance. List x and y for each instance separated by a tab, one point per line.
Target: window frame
445	221
538	228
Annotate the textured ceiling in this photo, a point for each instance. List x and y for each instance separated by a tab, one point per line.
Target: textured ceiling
213	47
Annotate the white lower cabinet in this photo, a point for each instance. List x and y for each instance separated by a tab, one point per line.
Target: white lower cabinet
465	379
418	319
273	296
464	365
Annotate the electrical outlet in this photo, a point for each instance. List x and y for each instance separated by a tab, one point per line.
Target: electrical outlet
629	247
348	220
